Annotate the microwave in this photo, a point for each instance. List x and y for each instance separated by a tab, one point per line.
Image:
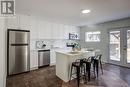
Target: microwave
73	36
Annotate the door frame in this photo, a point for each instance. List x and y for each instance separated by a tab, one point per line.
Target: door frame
109	60
123	42
126	64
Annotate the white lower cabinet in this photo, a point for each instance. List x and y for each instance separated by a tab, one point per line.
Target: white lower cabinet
52	57
33	60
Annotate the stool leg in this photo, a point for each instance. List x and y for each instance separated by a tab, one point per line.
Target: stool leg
85	73
78	76
71	73
94	64
81	70
97	65
88	70
101	66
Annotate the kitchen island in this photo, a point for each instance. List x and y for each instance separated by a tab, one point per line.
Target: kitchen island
64	60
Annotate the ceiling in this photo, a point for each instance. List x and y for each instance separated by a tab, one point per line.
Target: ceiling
69	11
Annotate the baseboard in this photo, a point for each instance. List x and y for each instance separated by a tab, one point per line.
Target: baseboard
33	68
52	64
4	83
118	65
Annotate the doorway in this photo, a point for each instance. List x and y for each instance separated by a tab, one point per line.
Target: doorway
119	46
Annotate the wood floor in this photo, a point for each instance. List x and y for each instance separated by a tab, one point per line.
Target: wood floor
114	76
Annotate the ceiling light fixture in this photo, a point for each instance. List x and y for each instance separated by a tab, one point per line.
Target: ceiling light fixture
86	11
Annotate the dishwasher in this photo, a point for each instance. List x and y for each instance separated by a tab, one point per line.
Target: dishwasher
43	58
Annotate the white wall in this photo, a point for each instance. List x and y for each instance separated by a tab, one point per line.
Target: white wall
103	45
2	53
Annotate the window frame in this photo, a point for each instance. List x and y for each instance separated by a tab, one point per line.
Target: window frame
92	35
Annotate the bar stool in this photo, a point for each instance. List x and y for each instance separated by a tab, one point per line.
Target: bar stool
91	60
78	64
88	66
96	60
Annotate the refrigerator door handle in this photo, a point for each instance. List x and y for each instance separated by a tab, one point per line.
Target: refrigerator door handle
19	44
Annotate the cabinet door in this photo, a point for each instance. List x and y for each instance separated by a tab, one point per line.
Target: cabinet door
34	28
55	31
52	57
25	22
66	32
13	22
69	29
48	30
61	31
44	30
33	60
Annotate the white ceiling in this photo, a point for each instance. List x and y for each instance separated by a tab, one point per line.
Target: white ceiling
69	11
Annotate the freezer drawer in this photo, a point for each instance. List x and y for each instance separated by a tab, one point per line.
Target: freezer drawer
18	59
43	58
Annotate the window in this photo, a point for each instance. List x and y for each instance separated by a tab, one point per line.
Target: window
92	36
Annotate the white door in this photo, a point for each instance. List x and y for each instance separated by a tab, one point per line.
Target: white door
126	47
119	46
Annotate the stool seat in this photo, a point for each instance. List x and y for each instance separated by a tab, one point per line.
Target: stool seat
76	64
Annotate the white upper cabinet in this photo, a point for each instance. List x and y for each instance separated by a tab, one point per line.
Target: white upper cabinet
24	22
57	31
44	30
19	22
74	29
40	29
33	28
60	31
48	29
66	32
13	22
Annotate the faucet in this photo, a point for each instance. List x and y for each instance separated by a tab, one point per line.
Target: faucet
73	47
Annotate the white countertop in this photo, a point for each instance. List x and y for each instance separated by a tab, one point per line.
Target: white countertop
72	53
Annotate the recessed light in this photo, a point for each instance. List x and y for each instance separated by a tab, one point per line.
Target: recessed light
86	11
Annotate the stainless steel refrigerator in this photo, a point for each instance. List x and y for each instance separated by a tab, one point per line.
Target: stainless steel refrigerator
18	51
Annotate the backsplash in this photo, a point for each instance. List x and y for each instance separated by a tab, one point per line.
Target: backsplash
40	44
49	44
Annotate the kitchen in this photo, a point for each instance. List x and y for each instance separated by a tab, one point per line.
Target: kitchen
52	39
55	31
